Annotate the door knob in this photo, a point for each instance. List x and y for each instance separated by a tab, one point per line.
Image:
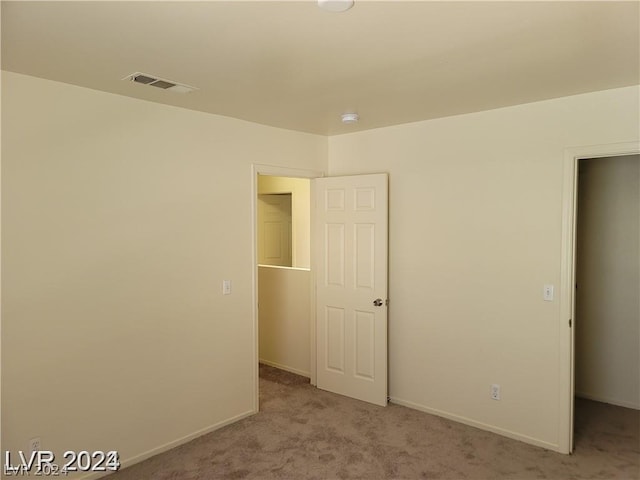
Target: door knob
377	302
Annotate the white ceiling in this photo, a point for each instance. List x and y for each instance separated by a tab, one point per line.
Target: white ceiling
291	65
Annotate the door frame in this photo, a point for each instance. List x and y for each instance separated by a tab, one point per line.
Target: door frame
572	156
260	169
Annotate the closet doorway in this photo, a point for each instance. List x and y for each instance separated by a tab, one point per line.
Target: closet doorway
607	306
600	308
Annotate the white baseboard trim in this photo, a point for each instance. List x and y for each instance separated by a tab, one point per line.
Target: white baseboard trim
612	401
482	426
168	446
285	367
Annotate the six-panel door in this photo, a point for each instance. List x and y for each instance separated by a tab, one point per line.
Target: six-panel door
351	220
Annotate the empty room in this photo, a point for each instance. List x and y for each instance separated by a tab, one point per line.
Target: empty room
320	239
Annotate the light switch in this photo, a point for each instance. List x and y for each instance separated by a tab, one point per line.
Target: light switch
226	287
548	293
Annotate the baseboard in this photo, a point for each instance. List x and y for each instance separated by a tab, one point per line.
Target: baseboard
286	368
168	446
612	401
482	426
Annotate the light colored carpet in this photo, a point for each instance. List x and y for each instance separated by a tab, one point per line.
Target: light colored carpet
305	433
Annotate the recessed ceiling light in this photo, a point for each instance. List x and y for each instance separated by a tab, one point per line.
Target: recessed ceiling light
335	5
350	118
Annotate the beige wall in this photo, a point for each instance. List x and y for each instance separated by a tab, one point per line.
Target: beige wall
284	299
120	220
608	279
300	211
475	233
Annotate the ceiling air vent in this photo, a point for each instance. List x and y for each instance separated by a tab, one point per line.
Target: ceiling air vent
157	82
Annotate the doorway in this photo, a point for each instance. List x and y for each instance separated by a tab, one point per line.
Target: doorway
569	309
352	254
269	282
607	309
284	273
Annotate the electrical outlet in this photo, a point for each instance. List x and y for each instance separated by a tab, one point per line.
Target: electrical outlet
495	391
34	445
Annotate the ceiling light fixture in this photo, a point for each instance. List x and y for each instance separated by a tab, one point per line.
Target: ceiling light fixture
335	5
349	118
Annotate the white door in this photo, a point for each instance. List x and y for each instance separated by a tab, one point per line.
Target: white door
351	316
274	229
